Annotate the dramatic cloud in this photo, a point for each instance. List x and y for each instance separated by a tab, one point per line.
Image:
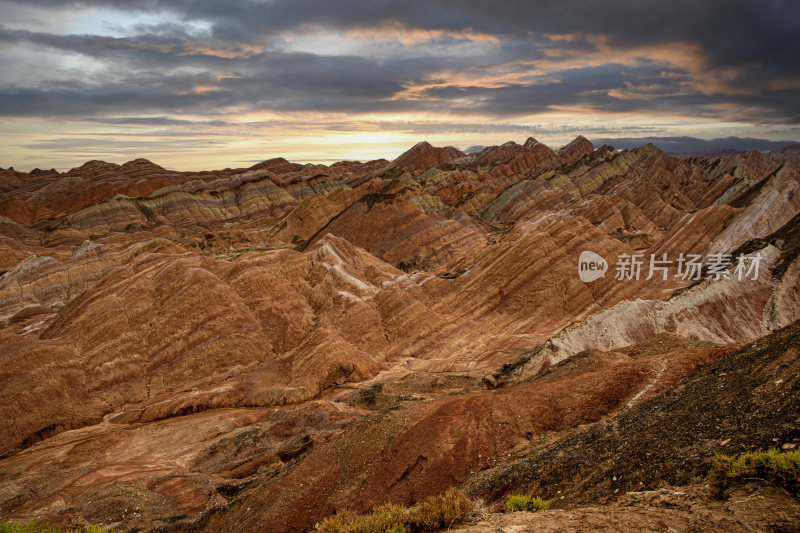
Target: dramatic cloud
464	71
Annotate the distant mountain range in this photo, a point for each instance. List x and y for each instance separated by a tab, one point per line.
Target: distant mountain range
694	147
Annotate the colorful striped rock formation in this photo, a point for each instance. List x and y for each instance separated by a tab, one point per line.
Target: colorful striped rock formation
253	349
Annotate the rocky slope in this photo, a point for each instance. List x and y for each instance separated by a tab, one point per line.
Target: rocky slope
255	348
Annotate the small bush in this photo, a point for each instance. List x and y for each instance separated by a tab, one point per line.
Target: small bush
521	502
518	502
33	527
339	521
441	511
782	469
432	513
386	518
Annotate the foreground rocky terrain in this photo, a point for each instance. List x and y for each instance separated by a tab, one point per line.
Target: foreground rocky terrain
253	349
751	507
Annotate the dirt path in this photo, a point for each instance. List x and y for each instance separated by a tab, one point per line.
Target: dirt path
647	388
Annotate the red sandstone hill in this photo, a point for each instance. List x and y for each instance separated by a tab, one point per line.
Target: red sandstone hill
253	349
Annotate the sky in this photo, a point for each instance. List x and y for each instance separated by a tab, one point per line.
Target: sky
203	84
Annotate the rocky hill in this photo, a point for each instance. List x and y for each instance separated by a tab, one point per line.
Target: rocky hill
253	349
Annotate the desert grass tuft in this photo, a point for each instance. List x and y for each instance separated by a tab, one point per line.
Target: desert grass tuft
33	526
781	469
433	513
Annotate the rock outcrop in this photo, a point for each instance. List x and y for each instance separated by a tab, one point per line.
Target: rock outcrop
424	156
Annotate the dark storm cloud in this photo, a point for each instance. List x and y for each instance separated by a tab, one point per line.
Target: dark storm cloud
165	82
158	121
158	79
613	88
162	74
745	64
78	102
732	32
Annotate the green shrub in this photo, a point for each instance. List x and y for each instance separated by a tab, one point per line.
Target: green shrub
782	469
522	502
518	502
432	513
33	527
